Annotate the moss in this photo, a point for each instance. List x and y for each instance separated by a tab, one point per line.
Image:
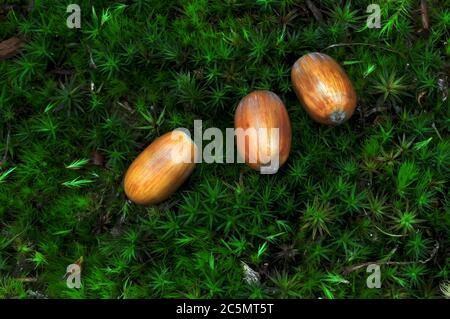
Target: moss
372	189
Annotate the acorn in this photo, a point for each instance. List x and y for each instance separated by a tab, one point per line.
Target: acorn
323	88
258	143
161	168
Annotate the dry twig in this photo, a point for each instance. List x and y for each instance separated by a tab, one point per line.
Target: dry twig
396	263
315	11
424	14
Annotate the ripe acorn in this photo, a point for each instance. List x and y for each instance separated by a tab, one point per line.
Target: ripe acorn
161	168
323	88
257	117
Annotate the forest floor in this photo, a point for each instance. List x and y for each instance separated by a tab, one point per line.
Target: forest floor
77	105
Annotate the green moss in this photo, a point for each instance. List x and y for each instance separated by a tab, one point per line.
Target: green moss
372	189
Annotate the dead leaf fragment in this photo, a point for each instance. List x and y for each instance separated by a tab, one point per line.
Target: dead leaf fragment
8	48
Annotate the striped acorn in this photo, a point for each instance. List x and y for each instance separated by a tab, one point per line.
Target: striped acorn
262	112
161	168
323	88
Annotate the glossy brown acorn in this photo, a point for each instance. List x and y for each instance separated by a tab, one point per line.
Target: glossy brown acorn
262	110
323	88
161	168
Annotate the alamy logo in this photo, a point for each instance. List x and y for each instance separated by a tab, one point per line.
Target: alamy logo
74	20
374	280
247	145
374	20
73	273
